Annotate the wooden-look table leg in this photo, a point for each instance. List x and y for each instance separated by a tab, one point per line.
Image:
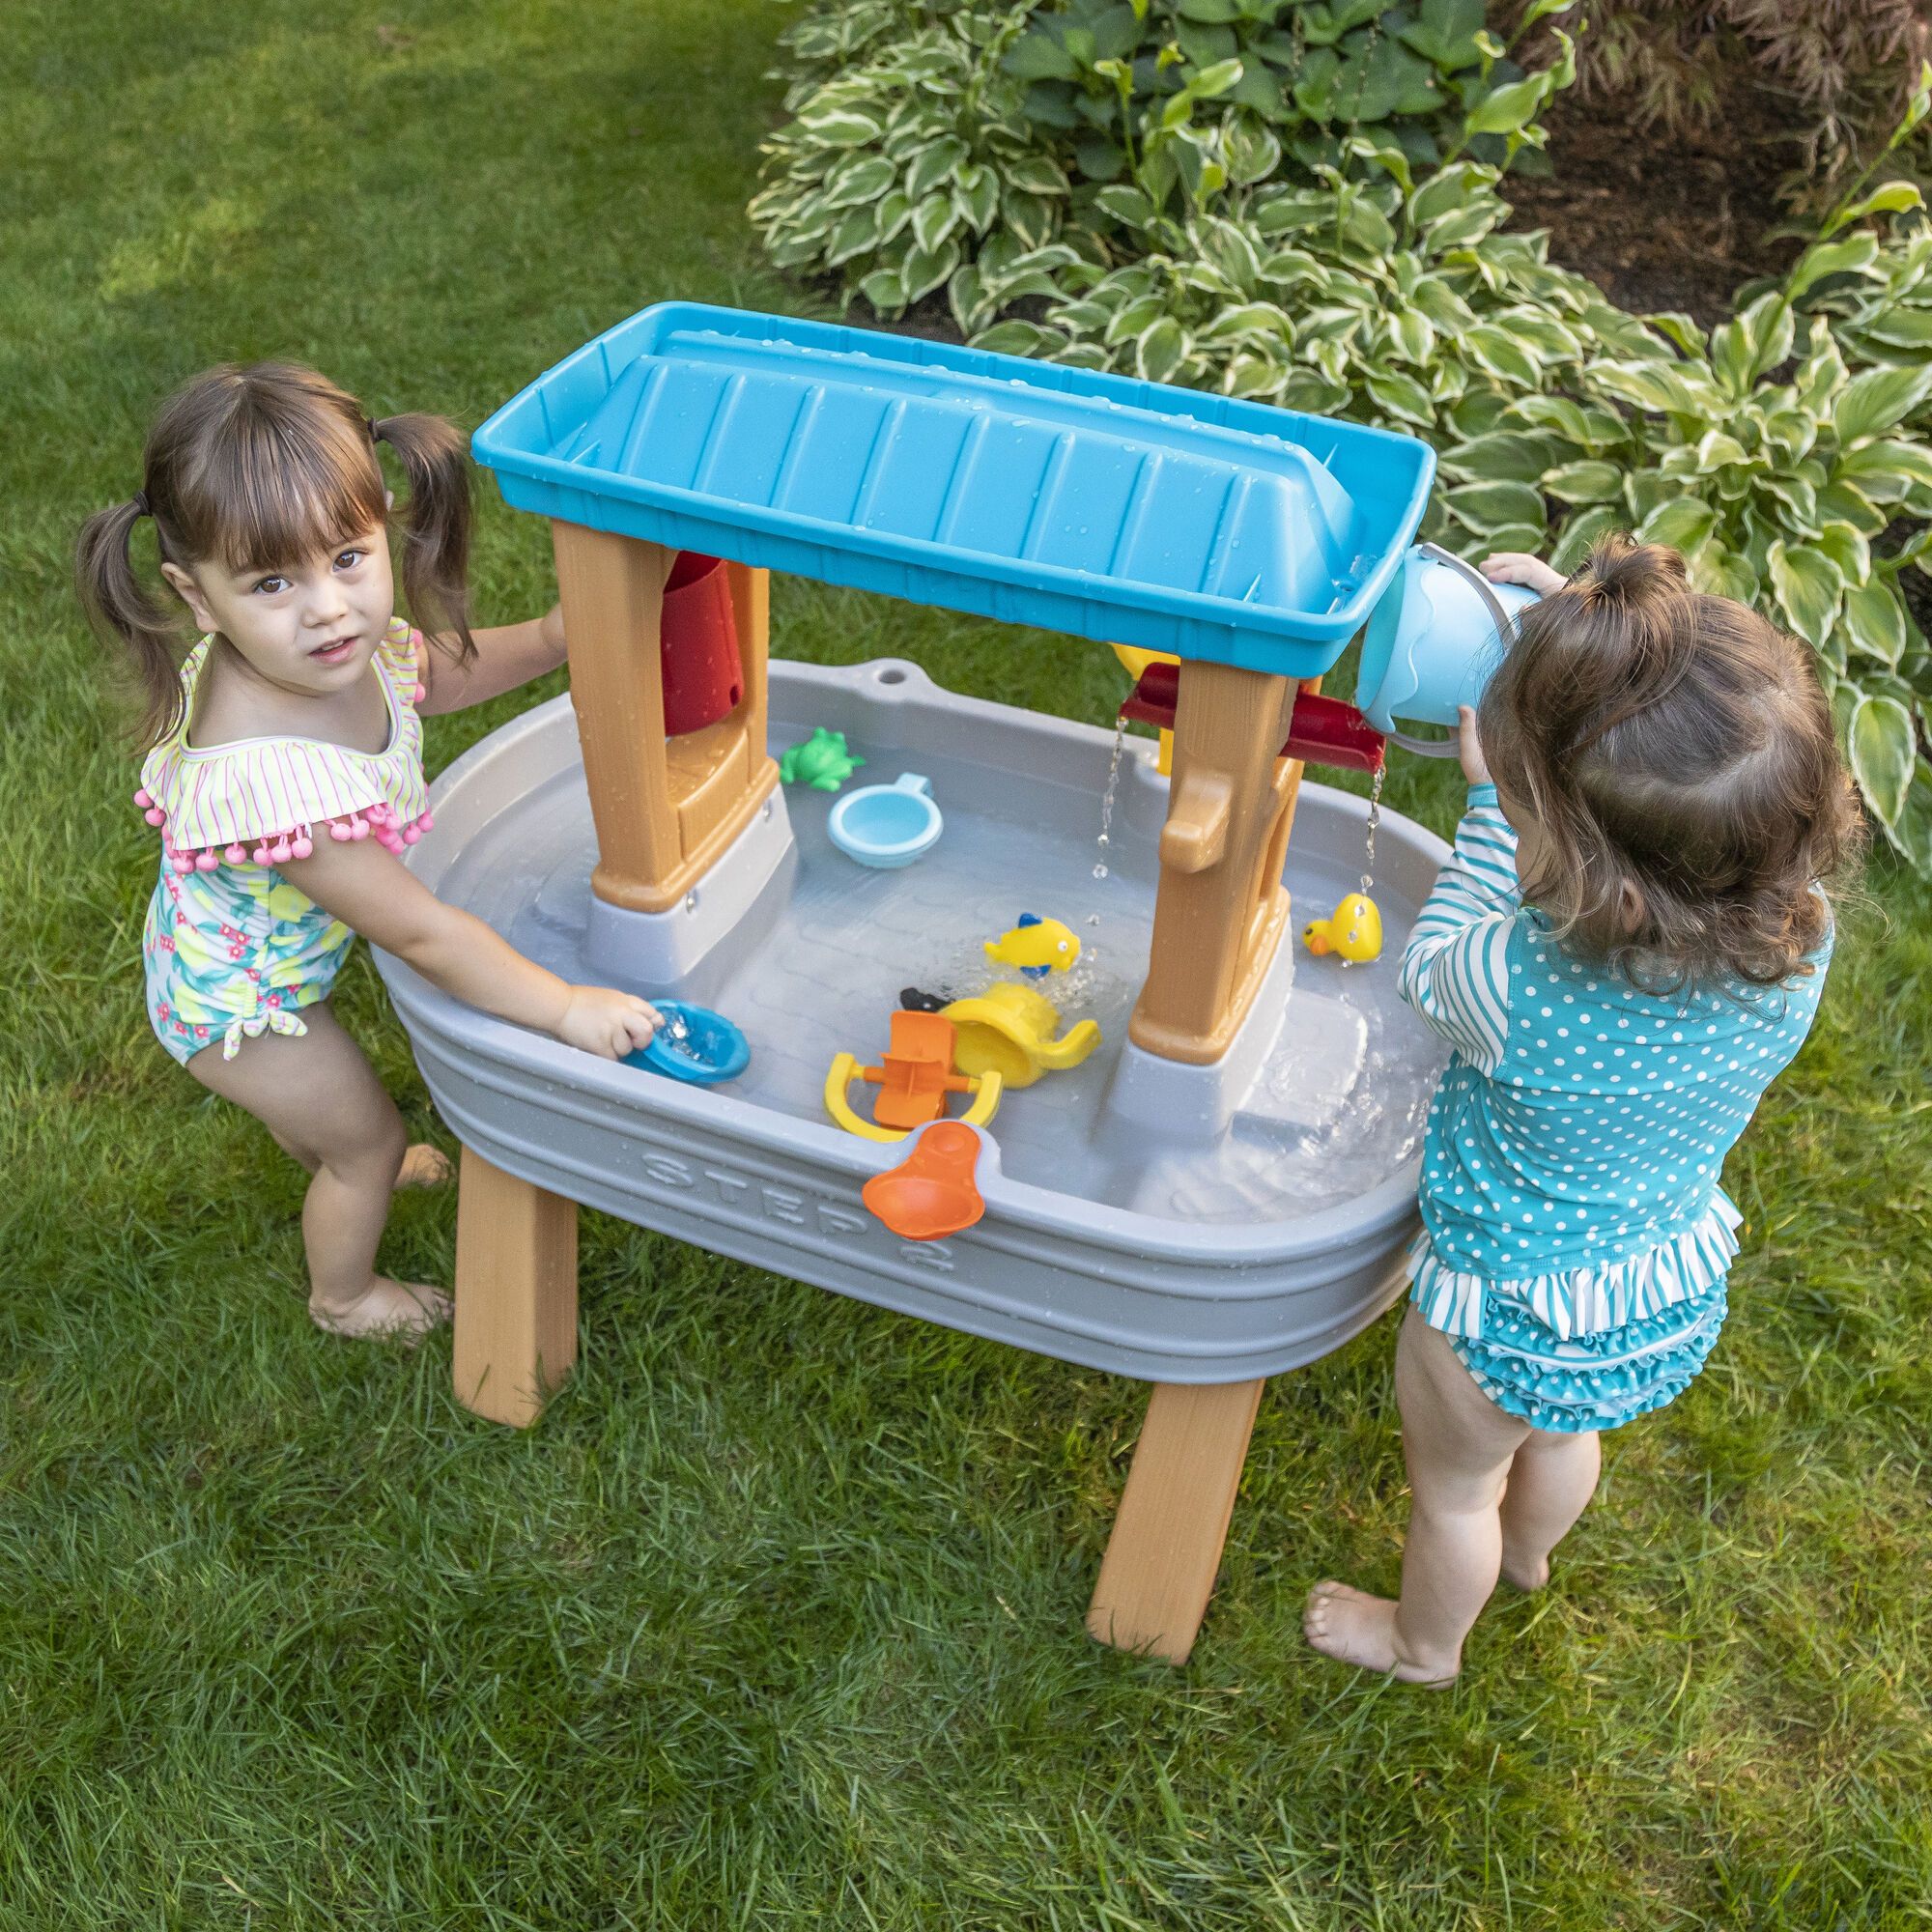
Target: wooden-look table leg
515	1293
1159	1567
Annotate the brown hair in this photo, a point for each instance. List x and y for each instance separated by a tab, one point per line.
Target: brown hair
258	467
1677	754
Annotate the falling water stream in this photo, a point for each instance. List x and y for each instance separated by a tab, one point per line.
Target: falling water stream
1375	820
1107	806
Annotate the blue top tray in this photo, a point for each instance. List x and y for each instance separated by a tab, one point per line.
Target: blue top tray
1128	511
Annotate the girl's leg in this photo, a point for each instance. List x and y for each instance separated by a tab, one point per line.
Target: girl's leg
423	1165
1551	1480
319	1097
1458	1445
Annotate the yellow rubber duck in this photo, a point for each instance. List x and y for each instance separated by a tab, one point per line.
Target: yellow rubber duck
1353	930
1035	946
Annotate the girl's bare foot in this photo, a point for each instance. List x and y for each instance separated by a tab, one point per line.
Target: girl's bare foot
424	1166
1523	1576
1355	1627
406	1308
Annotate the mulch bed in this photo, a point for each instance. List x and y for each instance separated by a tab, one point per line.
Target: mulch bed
1659	220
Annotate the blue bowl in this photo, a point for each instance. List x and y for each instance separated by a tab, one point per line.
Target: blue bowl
887	825
711	1050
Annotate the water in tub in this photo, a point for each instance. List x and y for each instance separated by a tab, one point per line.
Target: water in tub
829	978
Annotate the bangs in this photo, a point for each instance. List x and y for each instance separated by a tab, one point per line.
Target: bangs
284	484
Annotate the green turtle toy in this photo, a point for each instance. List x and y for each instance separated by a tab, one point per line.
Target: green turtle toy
821	761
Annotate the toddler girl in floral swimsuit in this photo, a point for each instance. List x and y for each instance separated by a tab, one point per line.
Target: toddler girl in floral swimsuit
284	776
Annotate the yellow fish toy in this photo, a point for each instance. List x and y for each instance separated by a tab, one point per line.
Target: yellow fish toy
1353	930
1036	946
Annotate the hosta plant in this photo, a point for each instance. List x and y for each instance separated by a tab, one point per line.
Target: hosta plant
1779	493
893	168
1311	74
920	131
1789	479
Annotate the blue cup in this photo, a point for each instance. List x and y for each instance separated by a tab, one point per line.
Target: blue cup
1433	643
886	826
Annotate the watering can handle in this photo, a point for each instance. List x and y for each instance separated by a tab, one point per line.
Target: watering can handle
1445	747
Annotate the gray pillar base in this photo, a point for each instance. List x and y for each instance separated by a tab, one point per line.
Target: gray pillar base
1317	1044
692	950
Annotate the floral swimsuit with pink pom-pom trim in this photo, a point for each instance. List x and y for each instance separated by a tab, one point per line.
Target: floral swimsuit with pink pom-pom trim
231	950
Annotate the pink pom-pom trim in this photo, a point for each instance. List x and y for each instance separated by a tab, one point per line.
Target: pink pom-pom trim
142	797
155	815
300	846
339	832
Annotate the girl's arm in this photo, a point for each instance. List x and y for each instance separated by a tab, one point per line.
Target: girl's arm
1455	969
361	885
507	655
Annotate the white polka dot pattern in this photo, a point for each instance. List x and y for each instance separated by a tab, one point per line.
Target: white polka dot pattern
1573	1151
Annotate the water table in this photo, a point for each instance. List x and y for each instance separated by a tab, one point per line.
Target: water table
1222	1190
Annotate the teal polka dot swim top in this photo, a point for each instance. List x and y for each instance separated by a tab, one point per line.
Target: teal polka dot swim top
1573	1152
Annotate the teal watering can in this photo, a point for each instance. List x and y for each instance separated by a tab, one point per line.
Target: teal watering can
1431	644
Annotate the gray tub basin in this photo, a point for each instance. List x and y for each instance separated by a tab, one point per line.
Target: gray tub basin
1142	1243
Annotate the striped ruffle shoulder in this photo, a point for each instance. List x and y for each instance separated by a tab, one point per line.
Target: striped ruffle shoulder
260	800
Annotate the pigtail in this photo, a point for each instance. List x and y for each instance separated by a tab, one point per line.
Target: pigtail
122	611
436	524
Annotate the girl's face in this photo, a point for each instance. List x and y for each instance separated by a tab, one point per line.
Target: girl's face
1530	842
309	627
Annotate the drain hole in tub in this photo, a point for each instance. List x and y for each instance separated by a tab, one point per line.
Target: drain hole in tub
892	675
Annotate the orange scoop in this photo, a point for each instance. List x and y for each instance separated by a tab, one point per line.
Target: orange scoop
930	1193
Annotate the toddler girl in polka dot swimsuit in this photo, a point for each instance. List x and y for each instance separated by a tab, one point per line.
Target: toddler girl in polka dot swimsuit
1625	950
284	776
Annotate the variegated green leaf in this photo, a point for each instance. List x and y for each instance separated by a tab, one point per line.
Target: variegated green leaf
933	165
1882	751
1498	352
1683	523
1401	396
1484	507
1160	350
1590	481
1875	622
1886	470
836	127
1580	534
1808	586
1848	548
1878	399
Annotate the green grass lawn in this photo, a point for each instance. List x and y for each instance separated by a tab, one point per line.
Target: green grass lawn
775	1620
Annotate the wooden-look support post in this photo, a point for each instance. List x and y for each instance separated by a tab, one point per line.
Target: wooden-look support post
515	1293
663	808
752	616
1161	1558
1221	907
611	589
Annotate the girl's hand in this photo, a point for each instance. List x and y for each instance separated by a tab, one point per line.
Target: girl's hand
1475	767
601	1020
1515	566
